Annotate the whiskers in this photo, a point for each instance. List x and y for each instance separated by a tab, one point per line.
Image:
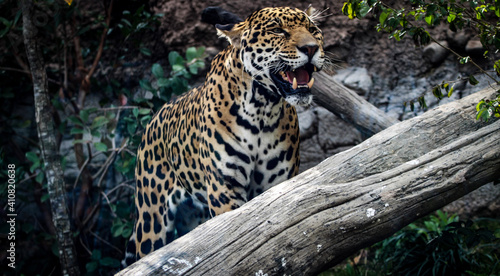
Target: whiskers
274	66
316	15
331	63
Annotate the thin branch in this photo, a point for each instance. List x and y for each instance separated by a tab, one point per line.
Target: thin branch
80	172
101	44
106	242
122	185
460	56
109	203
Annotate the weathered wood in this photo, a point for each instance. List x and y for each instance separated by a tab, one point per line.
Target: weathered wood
349	201
349	106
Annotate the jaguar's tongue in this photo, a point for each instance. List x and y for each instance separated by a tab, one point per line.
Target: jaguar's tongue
300	74
299	77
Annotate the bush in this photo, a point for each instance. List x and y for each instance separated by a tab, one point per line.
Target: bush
436	245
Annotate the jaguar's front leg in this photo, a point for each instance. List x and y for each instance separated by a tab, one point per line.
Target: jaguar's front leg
227	178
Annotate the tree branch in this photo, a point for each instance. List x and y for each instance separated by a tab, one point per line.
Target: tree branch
352	108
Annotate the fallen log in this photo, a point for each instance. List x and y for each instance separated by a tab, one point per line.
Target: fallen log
349	201
349	106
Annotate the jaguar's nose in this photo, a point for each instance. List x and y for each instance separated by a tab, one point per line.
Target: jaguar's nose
309	50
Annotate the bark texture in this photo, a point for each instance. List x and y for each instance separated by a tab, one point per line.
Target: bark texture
351	200
48	145
349	106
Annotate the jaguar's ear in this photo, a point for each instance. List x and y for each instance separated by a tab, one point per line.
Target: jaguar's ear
232	32
310	11
228	24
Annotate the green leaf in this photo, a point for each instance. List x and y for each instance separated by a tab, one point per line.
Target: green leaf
451	17
32	156
365	9
99	121
96	254
383	17
75	120
178	67
191	54
480	105
200	51
157	70
135	112
146	85
144	111
117	230
127	231
84	115
193	69
472	80
76	130
348	10
91	266
429	19
44	197
108	261
483	114
450	92
131	127
95	133
174	58
436	91
100	146
39	179
163	82
464	60
497	67
145	51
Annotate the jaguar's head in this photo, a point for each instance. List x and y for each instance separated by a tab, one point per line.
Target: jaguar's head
280	48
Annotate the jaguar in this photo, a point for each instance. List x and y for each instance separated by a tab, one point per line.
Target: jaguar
220	145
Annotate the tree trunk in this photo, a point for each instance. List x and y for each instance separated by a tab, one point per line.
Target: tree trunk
349	106
351	200
46	134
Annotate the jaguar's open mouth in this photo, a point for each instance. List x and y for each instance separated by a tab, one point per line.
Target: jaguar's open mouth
296	81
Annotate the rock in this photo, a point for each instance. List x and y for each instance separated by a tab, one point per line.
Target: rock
474	47
435	53
356	78
459	39
307	119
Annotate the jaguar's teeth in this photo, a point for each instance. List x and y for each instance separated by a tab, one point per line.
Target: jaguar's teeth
294	85
283	75
315	69
310	83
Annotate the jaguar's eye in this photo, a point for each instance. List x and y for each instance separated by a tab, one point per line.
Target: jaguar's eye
279	31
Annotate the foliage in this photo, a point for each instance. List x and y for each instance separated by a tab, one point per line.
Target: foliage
109	131
436	245
487	109
480	15
182	70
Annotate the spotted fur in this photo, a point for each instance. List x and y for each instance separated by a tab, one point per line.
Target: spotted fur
228	141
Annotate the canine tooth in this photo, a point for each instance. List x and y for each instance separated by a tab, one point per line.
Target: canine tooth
315	69
311	82
294	85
